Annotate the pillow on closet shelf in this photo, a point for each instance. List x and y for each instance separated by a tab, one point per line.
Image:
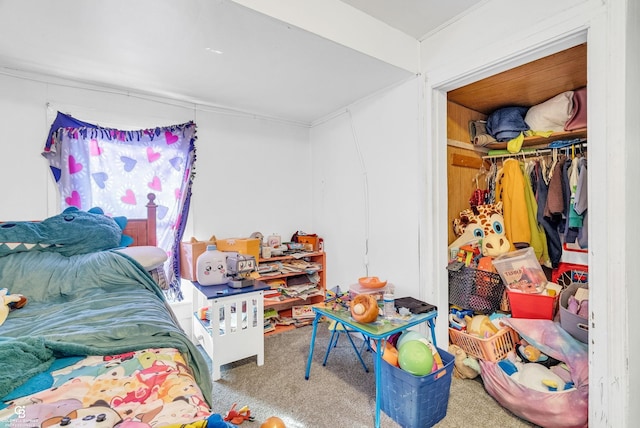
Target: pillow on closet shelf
578	119
551	115
506	123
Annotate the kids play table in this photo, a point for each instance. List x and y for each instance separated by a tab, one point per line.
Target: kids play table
377	331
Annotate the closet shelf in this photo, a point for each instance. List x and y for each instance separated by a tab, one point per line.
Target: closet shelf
543	141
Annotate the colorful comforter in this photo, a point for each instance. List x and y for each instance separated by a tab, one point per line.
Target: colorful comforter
140	366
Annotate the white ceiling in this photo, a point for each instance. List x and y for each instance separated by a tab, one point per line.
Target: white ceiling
416	18
210	52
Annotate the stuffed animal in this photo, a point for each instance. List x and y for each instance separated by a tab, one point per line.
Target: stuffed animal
9	302
71	232
483	223
464	366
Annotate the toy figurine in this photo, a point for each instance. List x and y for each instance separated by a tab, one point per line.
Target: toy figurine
236	417
338	298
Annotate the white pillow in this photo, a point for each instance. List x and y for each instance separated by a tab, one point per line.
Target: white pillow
148	256
552	114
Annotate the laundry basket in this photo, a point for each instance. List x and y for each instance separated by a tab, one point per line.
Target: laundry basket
416	401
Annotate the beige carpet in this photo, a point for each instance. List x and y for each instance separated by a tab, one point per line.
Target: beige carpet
339	395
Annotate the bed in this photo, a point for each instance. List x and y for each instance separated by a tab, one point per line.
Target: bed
96	343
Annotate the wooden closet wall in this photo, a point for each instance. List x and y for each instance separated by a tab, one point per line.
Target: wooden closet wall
526	85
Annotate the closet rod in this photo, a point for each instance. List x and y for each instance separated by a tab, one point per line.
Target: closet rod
534	152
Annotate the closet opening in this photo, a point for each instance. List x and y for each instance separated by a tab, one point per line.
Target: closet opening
476	165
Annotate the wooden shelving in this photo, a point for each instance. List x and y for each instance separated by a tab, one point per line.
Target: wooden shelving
284	306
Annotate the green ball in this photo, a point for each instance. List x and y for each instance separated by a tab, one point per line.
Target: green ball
416	358
407	336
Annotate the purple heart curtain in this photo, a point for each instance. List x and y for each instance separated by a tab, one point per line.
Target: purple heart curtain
115	170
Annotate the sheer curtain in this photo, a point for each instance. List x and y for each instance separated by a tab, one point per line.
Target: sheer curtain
115	170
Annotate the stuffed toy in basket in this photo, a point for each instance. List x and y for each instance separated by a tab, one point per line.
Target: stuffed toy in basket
566	408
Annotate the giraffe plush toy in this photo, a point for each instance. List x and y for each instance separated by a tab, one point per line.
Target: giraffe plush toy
483	224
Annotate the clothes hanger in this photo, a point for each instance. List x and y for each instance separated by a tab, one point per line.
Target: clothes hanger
482	171
554	162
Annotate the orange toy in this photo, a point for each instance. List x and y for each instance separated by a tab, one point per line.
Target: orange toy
236	417
273	422
390	353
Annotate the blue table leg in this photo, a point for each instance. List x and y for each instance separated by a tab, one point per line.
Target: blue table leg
332	343
355	348
378	379
432	326
312	344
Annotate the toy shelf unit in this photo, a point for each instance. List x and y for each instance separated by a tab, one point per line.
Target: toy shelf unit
228	323
293	280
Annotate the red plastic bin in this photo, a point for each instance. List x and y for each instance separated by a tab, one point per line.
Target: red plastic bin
532	306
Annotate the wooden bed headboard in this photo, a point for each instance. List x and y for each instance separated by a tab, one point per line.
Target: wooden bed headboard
143	230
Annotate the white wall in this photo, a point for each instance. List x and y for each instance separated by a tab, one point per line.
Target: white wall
365	184
24	172
251	174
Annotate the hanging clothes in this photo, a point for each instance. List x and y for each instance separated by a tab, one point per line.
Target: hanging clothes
581	202
510	190
571	218
550	224
538	237
575	219
555	196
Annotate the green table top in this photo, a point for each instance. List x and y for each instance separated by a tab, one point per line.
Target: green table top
380	328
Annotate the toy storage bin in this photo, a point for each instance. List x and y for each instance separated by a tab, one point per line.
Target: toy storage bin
416	401
532	306
574	324
520	268
475	289
378	293
494	348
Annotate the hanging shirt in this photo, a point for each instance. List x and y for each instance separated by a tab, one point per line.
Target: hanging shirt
581	203
555	198
575	219
549	224
510	189
538	237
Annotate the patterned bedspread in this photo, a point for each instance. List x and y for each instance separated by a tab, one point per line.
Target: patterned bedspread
147	388
95	342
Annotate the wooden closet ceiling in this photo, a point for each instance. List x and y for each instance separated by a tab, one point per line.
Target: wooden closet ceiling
528	84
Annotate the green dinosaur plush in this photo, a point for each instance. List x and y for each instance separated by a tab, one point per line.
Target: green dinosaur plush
71	232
